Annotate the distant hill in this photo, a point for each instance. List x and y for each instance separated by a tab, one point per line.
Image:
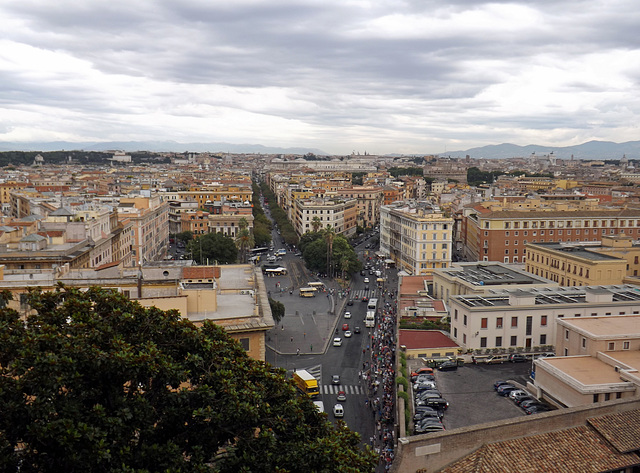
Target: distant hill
156	146
589	150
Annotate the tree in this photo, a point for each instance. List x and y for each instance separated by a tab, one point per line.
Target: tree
316	224
244	239
213	247
185	237
95	382
329	236
277	310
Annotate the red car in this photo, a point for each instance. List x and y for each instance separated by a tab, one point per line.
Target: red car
423	370
345	327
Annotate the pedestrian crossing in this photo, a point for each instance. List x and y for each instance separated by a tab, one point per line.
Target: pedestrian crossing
352	390
360	293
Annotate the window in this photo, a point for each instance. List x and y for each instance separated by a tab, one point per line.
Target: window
484	322
498	341
529	324
584	342
566	335
499	322
514	322
611	346
543	339
607	396
465	320
455	314
543	321
595	397
514	340
245	343
625	345
483	342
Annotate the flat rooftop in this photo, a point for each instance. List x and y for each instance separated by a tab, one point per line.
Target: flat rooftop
586	370
615	327
555	295
488	274
578	251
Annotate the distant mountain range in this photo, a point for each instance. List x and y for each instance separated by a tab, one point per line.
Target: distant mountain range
155	146
589	150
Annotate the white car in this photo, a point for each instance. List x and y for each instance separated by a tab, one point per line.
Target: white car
366	280
347	315
347	334
337	342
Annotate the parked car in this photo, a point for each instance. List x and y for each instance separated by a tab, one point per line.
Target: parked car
535	408
437	403
497	384
517	358
518	392
505	389
423	370
424	386
448	366
427	393
428	425
425	412
423	377
342	396
525	404
520	400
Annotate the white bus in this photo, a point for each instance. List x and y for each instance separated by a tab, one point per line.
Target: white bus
276	271
316	284
307	292
370	319
373	304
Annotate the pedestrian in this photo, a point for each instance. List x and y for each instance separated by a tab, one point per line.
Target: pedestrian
298	352
304	334
292	339
310	347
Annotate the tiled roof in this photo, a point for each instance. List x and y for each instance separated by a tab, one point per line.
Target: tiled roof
622	430
414	339
577	450
201	272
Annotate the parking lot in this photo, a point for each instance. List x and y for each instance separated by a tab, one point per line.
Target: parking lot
472	399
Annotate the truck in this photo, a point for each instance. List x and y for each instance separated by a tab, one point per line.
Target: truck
306	383
370	319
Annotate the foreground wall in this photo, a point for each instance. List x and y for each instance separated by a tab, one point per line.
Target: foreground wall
431	452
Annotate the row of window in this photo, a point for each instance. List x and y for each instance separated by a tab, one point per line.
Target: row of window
484	321
569	224
513	340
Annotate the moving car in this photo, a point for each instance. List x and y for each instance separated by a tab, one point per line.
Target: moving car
342	396
345	327
347	334
350	302
335	379
356	329
347	315
338	410
337	342
366	280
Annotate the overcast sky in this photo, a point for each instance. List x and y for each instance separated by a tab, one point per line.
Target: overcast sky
382	76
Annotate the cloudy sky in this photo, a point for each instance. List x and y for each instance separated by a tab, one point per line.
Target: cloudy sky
382	76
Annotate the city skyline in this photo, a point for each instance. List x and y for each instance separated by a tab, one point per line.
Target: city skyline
337	76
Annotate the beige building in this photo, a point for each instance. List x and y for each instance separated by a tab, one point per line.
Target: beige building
520	320
338	213
232	296
149	219
599	362
369	200
416	235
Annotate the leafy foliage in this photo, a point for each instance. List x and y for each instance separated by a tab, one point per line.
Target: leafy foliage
95	382
261	224
396	172
314	251
185	237
287	231
213	247
475	176
277	310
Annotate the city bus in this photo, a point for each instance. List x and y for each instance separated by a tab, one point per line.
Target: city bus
258	251
307	292
316	284
280	271
373	304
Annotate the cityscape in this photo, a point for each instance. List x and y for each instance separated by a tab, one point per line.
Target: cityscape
447	310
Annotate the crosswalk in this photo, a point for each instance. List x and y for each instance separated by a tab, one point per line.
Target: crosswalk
352	390
360	293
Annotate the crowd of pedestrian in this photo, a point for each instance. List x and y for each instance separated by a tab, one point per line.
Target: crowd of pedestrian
379	378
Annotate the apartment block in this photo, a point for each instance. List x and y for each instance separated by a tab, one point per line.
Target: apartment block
338	213
369	200
149	219
416	235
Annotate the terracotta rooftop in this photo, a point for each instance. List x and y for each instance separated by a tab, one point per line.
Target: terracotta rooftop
622	429
579	449
201	272
414	339
412	284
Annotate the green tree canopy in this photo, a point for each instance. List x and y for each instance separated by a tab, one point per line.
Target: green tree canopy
314	251
213	247
185	237
277	310
95	382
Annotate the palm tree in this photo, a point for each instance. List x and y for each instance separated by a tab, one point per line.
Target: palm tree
316	223
344	264
244	239
329	236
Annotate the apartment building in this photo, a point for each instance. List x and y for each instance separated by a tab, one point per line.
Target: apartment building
338	213
194	221
238	192
585	264
504	235
149	219
368	202
526	319
176	208
224	217
599	361
416	235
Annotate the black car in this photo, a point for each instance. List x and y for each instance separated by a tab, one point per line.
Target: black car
423	412
505	389
448	366
535	408
437	403
363	272
350	302
425	394
528	403
497	384
356	329
517	358
428	425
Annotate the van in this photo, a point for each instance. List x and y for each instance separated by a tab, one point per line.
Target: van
497	359
319	405
338	410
